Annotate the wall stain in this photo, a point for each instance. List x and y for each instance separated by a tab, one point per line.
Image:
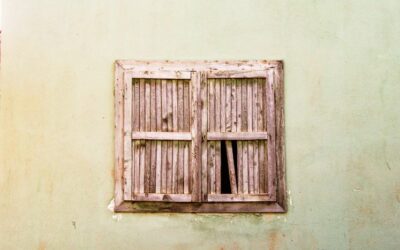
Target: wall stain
42	245
272	241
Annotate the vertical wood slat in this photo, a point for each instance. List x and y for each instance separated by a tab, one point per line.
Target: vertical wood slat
271	135
119	134
245	162
239	129
127	137
180	144
175	144
280	142
147	143
142	147
158	128
215	149
169	143
223	115
186	127
250	128
136	143
205	98
261	151
231	166
197	80
209	171
255	143
153	144
164	143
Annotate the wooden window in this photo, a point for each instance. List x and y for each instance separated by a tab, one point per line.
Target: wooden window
199	136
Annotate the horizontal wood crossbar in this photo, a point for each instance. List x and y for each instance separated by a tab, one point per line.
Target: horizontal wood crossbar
163	197
236	136
238	197
162	136
160	74
236	74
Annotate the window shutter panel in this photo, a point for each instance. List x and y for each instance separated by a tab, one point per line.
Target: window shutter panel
158	136
241	110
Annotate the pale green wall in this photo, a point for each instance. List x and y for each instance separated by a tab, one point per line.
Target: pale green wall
342	77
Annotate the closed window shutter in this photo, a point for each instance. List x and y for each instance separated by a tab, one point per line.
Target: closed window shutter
157	136
199	136
237	108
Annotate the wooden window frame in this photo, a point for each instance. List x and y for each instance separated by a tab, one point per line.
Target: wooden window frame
198	71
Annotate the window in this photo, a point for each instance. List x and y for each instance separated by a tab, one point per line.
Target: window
199	136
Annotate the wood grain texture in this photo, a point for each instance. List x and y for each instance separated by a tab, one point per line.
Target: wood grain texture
245	163
136	144
175	144
181	144
207	101
164	136
231	166
271	126
187	127
197	207
142	143
255	143
158	128
280	138
238	136
153	144
127	140
164	128
196	108
239	129
147	165
212	116
119	134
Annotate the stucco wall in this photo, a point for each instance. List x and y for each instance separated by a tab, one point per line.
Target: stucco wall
342	78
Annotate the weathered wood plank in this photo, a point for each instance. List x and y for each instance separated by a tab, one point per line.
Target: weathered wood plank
136	127
232	74
187	127
231	166
255	143
181	144
175	144
239	198
160	74
204	127
158	128
271	126
205	207
147	143
212	115
168	65
169	143
153	127
119	134
127	140
237	136
196	108
250	147
165	136
163	197
261	152
164	107
142	144
239	129
245	161
280	136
